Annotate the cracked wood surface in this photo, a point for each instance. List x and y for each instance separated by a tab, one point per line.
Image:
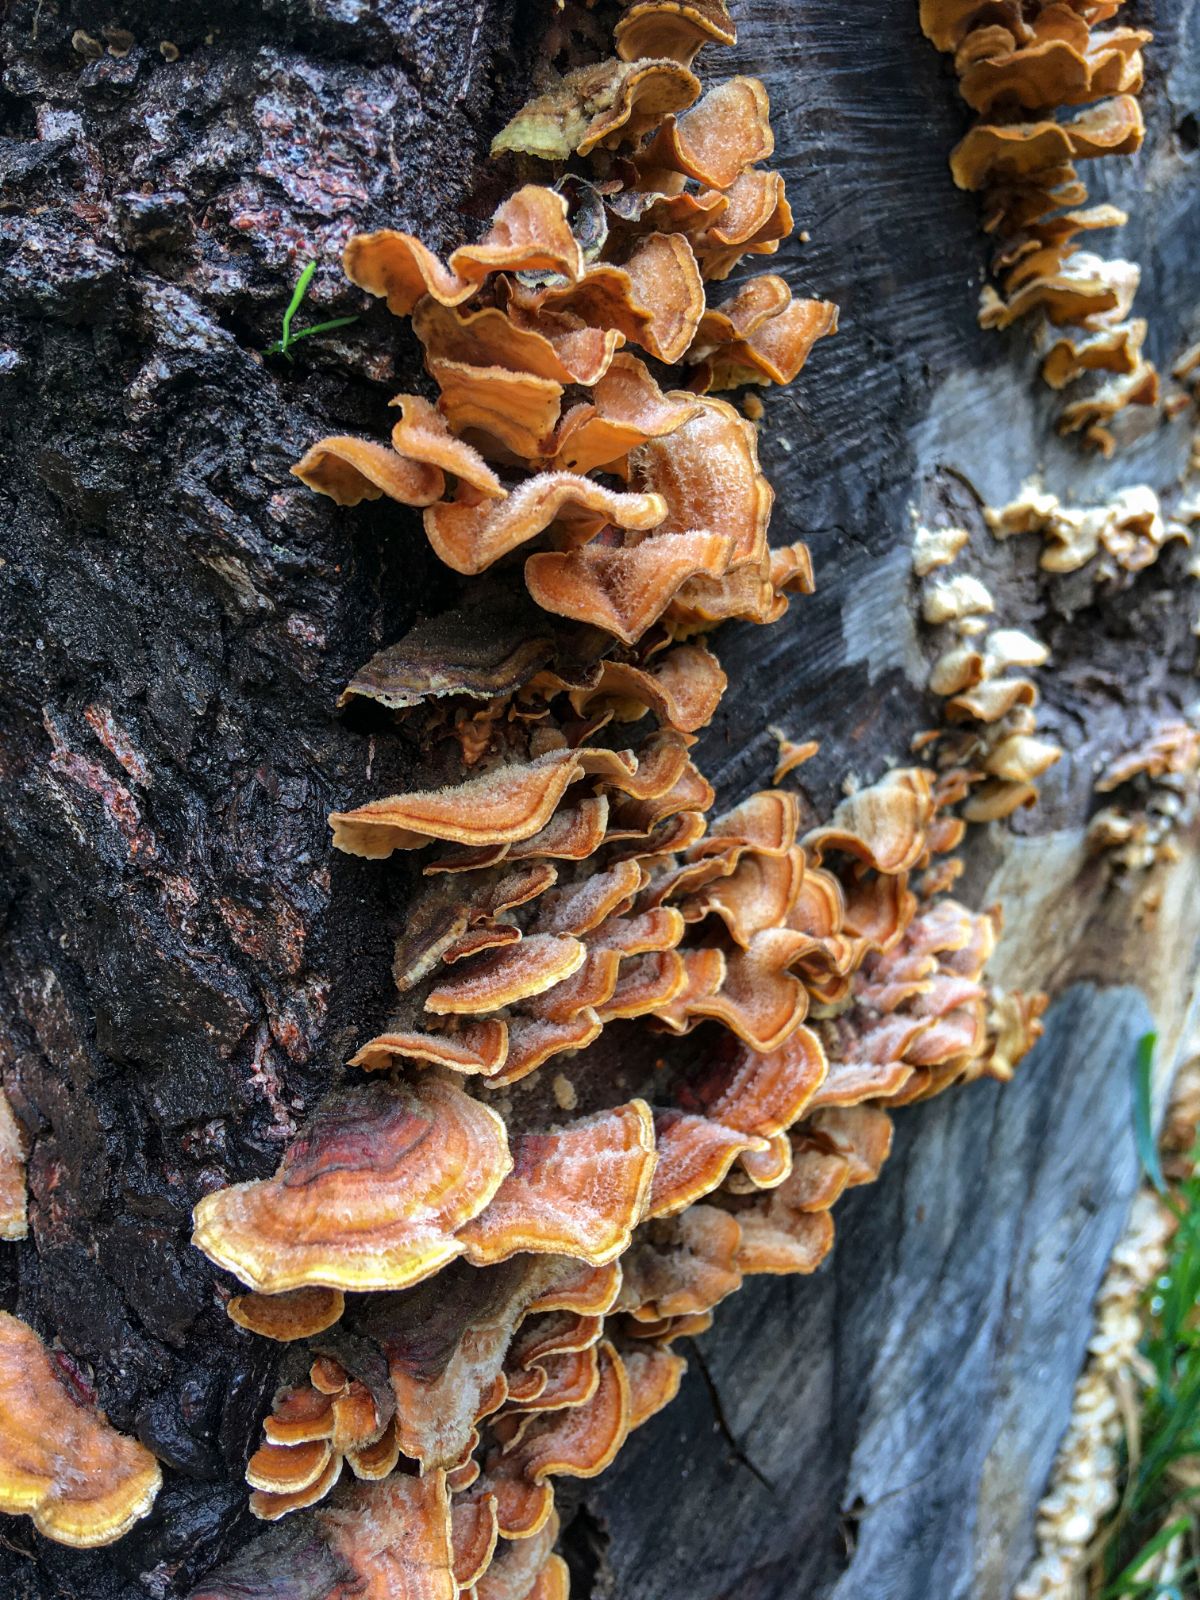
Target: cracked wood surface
185	966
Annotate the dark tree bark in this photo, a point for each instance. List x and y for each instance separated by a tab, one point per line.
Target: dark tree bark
186	965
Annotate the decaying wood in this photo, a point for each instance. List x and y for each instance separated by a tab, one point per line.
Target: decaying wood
185	965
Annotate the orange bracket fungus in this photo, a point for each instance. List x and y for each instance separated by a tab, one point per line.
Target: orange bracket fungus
1017	68
368	1198
479	1257
61	1463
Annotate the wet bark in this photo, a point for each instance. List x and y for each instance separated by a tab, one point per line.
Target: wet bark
185	966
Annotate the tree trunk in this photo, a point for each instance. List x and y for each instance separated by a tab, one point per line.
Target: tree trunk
186	965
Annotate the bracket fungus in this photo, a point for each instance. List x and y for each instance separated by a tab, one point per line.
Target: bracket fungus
576	1191
1160	776
369	1197
1125	534
1017	68
61	1463
989	751
511	1280
613	102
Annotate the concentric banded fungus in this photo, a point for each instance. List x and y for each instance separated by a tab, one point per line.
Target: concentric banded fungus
81	1482
577	884
1163	772
499	807
673	29
1125	535
351	470
576	1191
529	233
526	1569
470	537
990	750
368	1198
396	1538
578	1442
654	298
332	1417
761	335
1017	68
446	1343
728	131
380	1541
611	103
1015	150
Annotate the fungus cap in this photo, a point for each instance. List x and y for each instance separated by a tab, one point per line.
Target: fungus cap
673	29
506	804
369	1197
578	1190
83	1483
529	233
608	103
296	1314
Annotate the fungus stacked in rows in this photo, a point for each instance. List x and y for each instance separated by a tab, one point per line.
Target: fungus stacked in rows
481	1264
990	754
1159	778
497	1371
1017	66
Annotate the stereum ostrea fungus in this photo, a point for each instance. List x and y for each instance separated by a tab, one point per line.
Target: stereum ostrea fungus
61	1463
989	754
1018	66
511	1280
1124	535
1161	776
770	1138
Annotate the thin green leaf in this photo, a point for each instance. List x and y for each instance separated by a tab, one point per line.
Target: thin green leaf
283	346
1143	1114
298	293
322	327
1129	1576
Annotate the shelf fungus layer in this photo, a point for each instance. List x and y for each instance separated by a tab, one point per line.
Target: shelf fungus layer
1020	68
521	1218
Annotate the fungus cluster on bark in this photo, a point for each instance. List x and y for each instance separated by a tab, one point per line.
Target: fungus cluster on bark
512	1261
989	754
1018	66
1158	784
14	1222
1123	535
479	1275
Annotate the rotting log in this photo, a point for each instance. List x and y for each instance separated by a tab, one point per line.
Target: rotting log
185	964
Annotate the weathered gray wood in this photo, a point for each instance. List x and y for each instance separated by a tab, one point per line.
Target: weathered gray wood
885	1427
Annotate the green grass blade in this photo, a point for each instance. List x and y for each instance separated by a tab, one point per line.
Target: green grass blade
1143	1111
298	293
322	327
283	346
1127	1582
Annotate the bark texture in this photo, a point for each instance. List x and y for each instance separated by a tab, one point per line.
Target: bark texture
185	965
